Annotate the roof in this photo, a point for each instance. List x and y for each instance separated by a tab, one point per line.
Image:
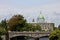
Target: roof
40	16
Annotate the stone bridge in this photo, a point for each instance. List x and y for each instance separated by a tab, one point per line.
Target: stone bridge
30	34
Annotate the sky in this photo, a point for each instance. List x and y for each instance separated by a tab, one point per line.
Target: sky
30	9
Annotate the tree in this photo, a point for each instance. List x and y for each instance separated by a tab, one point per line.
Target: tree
16	22
54	28
59	27
4	28
2	31
55	35
31	27
3	23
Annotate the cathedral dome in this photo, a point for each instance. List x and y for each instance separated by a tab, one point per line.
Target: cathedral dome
40	18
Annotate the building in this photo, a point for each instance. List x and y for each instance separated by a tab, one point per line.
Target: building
45	26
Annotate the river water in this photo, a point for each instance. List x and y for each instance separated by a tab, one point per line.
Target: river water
22	38
44	38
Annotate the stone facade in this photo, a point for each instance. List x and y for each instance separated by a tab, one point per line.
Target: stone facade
45	26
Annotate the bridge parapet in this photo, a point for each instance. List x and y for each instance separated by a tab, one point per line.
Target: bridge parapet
31	34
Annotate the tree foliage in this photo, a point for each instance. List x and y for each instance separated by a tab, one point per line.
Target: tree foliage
2	27
59	27
55	35
31	27
3	23
16	22
2	31
54	28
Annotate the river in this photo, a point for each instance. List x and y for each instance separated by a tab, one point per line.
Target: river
44	38
23	38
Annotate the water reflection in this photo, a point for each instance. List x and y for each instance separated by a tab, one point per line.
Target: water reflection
43	38
30	39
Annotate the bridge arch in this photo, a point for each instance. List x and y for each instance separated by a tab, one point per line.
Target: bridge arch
18	37
21	37
30	34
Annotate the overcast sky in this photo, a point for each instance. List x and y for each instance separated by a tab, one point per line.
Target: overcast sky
31	9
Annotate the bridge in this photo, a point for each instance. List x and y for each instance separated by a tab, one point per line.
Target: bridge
30	34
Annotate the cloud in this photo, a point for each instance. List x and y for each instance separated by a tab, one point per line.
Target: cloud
30	12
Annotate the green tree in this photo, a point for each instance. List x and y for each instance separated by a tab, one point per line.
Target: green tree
16	23
3	23
4	28
55	35
54	28
59	27
2	31
31	27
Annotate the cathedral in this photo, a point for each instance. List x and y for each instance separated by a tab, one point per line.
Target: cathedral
45	26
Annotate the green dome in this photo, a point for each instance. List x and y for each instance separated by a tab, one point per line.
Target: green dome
40	16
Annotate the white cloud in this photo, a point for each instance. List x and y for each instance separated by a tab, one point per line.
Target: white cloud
31	12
